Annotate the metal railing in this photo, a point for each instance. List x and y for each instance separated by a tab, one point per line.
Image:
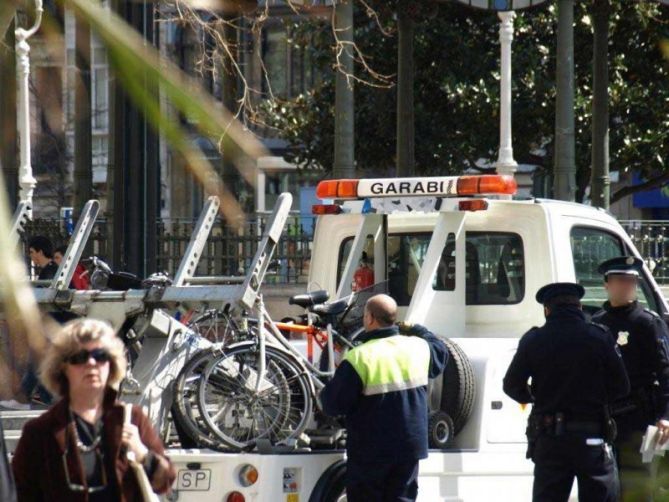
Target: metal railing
650	237
228	251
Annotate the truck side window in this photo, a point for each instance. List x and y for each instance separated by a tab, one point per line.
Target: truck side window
590	247
495	268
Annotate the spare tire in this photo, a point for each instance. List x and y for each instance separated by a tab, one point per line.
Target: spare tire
459	386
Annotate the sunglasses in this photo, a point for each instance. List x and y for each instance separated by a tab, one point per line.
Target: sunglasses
83	356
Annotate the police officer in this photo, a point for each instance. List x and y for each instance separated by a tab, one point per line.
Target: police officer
381	388
575	371
643	340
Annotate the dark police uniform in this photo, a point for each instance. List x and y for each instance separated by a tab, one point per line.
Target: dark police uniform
576	371
381	388
643	340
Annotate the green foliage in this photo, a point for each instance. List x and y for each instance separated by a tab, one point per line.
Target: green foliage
457	90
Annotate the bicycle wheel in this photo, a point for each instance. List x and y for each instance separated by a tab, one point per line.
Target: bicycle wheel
238	411
214	325
185	411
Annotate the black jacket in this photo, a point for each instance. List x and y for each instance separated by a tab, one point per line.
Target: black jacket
574	365
390	426
48	271
643	338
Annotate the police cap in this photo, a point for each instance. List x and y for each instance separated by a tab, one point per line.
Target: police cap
622	265
550	291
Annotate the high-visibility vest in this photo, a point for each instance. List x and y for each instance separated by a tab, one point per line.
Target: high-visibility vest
391	364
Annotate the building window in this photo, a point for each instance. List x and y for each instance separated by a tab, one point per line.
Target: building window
275	59
287	62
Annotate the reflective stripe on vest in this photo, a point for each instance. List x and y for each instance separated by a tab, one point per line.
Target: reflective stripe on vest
391	364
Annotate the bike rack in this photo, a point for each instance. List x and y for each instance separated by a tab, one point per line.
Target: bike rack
166	343
76	246
197	242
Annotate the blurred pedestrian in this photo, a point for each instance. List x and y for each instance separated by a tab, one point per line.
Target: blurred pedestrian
40	250
78	449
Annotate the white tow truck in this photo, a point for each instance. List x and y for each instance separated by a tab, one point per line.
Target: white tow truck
463	258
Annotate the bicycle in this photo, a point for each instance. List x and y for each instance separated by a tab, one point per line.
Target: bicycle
263	388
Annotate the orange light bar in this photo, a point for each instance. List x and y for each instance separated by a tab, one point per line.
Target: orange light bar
487	184
437	186
337	189
325	209
473	205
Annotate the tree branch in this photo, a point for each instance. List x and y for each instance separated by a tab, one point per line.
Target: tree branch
652	183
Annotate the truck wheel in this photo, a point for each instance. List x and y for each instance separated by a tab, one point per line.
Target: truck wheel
459	389
331	487
440	430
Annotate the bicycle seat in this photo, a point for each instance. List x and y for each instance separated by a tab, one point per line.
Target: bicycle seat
309	299
333	308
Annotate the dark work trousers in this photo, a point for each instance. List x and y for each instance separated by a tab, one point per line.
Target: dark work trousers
637	481
558	460
376	482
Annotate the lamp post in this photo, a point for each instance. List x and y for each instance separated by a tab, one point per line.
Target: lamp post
505	162
506	11
27	181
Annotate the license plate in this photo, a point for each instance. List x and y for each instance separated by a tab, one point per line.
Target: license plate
193	480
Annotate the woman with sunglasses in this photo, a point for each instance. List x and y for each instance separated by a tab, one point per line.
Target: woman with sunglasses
77	451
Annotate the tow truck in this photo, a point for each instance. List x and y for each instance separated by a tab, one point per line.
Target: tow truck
463	258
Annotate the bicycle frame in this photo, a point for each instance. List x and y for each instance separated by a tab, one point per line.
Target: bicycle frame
313	333
270	328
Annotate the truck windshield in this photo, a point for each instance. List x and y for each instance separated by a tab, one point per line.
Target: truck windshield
495	266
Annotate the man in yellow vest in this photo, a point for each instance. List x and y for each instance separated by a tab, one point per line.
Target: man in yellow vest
381	389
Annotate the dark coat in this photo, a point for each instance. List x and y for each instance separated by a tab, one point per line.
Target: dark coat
575	367
38	460
644	343
391	426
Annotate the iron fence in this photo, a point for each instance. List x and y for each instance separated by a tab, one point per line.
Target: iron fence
650	238
229	250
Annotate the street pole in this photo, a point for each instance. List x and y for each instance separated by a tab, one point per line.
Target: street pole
8	115
600	183
405	94
83	155
505	162
344	141
564	174
27	181
135	192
